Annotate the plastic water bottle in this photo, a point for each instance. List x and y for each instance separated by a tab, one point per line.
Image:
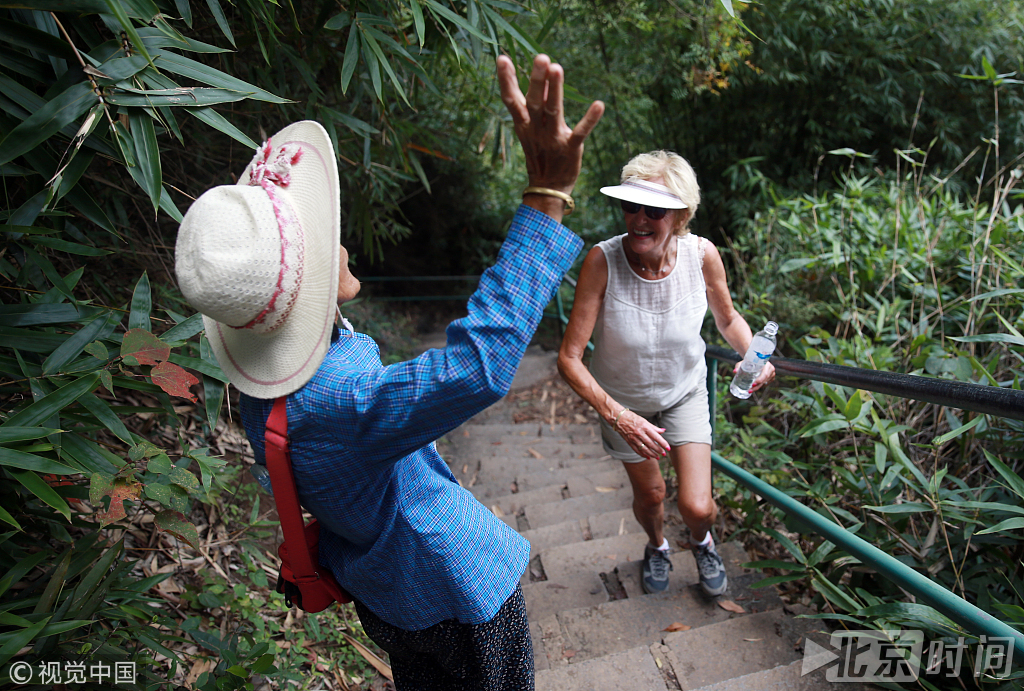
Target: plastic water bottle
262	476
761	348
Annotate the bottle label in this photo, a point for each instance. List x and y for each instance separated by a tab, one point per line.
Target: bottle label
762	356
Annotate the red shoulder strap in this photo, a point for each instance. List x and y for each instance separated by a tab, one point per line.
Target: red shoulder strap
287	499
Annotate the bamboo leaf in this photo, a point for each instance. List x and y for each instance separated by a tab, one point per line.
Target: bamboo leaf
460	21
417	19
185	10
218	122
1008	524
375	47
511	30
371	64
338	22
117	9
27	461
222	21
69	247
52	403
9	435
953	434
185	330
29	314
142	305
991	338
102	412
790	546
75	344
37	486
49	271
1013	480
147	154
8	518
186	67
20	639
907	507
187	97
351	58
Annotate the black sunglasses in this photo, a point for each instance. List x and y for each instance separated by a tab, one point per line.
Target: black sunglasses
655	213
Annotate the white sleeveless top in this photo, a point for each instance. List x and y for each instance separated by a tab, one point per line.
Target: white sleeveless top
648	351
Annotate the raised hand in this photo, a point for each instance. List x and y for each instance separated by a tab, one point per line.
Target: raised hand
554	152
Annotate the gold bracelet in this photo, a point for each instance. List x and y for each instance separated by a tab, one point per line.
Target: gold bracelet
570	205
615	425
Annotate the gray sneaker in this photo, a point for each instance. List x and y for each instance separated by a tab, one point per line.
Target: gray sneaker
711	569
656	568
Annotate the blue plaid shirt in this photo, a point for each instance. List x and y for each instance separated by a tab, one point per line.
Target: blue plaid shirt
401	535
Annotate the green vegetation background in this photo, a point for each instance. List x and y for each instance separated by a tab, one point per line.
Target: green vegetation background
861	166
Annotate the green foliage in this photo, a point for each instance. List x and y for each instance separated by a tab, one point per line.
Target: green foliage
910	277
812	77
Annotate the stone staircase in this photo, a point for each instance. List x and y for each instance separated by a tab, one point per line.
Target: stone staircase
593	627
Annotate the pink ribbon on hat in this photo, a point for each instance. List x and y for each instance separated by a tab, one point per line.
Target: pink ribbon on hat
271	175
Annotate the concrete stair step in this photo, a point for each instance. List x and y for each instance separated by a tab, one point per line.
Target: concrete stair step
579	480
567	591
561	476
549	536
592	556
540	515
617	625
629	670
783	678
588	481
736	647
512	503
684	569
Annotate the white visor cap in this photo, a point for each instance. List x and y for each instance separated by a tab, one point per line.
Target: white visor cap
645	192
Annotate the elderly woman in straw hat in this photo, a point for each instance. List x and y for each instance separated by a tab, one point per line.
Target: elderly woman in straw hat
434	575
643	296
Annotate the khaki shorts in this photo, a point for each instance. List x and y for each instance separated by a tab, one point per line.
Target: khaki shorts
686	422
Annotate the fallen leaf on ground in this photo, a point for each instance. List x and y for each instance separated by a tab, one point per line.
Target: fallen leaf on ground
496	510
605	489
378	664
568	653
465	432
731	606
753	640
465	468
534	453
677	626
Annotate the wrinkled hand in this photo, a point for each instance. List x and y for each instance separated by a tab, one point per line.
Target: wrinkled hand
554	152
642	436
767	375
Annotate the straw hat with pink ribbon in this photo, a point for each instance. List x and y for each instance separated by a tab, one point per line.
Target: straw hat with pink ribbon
259	259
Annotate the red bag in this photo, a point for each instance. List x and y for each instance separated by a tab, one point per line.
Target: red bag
302	579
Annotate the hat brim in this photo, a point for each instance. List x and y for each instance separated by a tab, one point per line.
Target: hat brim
279	362
639	195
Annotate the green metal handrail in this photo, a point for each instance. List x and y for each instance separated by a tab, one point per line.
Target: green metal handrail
971	617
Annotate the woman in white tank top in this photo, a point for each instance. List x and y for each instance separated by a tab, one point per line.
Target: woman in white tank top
642	296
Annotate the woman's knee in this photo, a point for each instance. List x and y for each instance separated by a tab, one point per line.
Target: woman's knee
649	495
697	509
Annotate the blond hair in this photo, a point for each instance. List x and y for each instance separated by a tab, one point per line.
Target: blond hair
675	173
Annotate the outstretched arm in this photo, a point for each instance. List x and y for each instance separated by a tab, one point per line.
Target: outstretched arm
730	323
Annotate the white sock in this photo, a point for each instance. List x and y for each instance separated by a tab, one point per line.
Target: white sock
706	541
664	545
